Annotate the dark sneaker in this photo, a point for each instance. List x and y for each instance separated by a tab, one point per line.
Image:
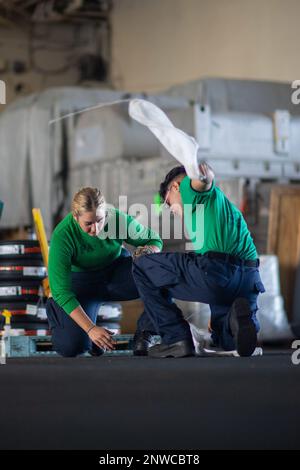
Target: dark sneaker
242	327
142	341
182	348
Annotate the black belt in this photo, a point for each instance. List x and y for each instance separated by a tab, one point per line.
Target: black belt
251	263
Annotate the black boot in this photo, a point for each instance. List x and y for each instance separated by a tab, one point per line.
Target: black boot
182	348
242	327
95	350
142	341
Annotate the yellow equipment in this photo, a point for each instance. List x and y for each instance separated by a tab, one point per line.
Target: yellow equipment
7	315
42	238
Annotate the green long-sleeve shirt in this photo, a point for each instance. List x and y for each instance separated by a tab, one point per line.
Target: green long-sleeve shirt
71	249
221	228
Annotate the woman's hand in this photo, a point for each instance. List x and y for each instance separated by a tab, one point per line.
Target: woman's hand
102	337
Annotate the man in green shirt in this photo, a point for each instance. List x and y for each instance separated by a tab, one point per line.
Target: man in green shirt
88	265
222	271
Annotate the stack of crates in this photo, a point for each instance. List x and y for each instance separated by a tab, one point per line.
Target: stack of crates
21	274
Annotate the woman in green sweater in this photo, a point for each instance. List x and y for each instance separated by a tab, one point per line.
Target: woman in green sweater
88	265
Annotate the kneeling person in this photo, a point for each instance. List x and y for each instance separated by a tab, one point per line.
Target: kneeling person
222	271
88	267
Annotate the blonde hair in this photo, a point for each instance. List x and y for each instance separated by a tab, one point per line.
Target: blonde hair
87	200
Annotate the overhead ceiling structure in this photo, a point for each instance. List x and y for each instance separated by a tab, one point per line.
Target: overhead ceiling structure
60	35
53	11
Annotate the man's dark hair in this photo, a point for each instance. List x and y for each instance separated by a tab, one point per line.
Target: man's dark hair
178	170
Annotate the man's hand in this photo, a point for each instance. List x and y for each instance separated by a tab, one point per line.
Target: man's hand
205	179
102	338
145	250
206	173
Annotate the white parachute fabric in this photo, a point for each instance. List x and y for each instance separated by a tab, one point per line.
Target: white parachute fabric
180	145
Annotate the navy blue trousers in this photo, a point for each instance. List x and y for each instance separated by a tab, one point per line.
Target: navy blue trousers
188	276
93	288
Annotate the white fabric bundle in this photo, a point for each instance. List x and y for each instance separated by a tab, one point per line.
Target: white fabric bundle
180	145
